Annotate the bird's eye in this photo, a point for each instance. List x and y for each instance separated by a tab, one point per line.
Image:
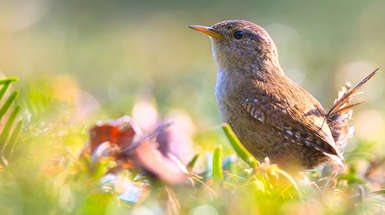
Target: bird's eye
238	35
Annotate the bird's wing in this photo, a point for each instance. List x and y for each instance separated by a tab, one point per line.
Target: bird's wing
293	112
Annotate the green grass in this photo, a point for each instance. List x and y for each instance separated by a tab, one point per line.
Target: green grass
9	112
48	172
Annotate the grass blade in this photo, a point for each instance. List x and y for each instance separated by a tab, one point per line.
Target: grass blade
4	89
192	163
14	137
379	192
217	165
7	104
8	80
290	179
238	147
6	83
7	128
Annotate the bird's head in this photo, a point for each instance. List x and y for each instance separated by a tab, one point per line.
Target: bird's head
240	44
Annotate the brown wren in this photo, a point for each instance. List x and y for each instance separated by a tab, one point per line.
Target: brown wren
271	115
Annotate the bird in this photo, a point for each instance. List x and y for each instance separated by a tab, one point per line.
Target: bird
272	116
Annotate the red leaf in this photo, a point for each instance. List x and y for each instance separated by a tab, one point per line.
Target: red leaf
123	140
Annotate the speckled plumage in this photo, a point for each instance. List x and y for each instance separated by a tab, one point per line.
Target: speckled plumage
270	114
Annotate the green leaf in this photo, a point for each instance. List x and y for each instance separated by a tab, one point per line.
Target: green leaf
238	147
192	163
217	165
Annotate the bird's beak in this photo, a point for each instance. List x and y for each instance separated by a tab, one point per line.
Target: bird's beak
206	30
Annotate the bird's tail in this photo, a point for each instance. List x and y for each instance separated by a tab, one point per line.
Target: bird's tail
340	114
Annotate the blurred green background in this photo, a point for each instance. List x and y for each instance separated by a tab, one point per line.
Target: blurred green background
83	61
117	50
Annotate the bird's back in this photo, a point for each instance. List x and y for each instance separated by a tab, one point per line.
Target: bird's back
276	119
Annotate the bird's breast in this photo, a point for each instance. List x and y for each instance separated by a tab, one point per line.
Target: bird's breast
250	132
227	94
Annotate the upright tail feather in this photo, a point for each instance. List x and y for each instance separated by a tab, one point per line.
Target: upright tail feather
340	114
